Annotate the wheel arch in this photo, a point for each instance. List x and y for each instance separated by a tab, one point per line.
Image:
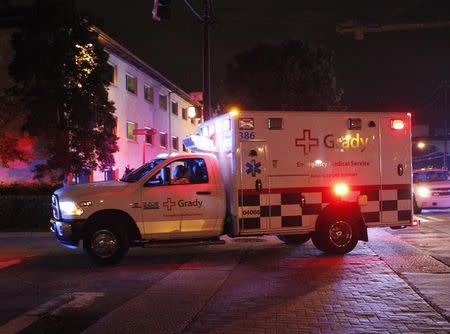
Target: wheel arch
347	209
116	217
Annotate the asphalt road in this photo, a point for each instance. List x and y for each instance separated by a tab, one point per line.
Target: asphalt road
398	282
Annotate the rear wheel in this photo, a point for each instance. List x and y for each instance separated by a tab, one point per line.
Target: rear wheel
295	239
106	245
416	209
337	235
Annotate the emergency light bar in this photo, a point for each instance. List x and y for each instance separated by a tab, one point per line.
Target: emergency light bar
197	143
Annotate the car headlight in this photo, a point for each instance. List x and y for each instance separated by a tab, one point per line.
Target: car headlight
423	192
70	208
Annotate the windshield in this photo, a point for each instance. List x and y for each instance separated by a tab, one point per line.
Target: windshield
142	171
430	176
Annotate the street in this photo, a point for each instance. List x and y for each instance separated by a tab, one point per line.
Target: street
398	282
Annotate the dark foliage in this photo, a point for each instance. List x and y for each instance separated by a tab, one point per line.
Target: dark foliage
290	76
10	149
62	74
28	189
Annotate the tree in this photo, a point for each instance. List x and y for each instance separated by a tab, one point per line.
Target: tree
290	76
61	72
10	149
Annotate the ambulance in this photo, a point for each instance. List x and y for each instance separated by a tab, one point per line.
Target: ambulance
324	176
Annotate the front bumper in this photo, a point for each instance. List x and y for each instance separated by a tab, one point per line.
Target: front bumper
433	202
68	232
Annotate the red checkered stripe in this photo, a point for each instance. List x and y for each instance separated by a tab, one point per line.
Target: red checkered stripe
387	203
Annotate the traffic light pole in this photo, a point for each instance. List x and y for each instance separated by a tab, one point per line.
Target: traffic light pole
206	19
161	12
206	62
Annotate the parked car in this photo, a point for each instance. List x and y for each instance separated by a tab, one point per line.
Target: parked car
431	189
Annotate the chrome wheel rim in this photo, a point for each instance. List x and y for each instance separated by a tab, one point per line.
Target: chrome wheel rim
340	233
104	244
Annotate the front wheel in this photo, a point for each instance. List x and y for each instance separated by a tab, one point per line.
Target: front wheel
337	235
294	239
106	245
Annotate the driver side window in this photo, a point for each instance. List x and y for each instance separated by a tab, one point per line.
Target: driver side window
184	171
161	178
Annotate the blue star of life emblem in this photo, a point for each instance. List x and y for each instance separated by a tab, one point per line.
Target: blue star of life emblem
253	167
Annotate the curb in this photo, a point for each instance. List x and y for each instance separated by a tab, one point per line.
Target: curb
7	235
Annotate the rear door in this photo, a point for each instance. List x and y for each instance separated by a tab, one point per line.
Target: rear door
254	187
395	155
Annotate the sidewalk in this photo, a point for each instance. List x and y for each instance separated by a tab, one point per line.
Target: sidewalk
278	290
40	234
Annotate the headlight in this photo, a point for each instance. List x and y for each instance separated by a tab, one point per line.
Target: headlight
70	208
423	192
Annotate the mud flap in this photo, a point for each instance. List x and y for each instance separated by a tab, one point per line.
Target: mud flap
363	235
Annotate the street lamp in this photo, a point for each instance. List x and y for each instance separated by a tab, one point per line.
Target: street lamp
192	112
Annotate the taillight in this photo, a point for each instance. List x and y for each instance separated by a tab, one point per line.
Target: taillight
341	189
397	124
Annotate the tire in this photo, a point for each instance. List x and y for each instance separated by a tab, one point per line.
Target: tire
398	227
106	244
336	234
294	239
416	209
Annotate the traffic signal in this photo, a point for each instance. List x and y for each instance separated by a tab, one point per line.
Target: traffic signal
161	10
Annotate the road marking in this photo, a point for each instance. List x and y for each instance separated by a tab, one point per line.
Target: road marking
433	219
54	306
80	300
6	264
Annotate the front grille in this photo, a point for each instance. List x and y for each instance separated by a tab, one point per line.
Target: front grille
55	207
440	191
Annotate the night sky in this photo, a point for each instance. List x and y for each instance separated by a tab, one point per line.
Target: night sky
385	71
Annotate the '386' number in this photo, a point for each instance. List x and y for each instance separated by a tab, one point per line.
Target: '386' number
246	135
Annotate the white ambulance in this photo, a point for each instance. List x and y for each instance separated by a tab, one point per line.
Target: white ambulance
324	175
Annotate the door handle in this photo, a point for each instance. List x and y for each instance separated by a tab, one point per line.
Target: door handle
203	193
258	185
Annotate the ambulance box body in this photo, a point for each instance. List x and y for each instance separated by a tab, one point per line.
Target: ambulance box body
301	160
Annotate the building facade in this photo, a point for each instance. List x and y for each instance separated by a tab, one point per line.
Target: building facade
144	100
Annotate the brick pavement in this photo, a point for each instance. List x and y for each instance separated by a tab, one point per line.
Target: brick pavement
288	289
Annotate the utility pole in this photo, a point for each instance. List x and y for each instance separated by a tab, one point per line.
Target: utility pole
445	124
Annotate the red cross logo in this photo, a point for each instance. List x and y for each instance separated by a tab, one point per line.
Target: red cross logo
169	204
306	141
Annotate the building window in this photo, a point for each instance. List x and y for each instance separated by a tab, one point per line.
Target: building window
175	143
110	175
163	139
131	83
131	126
163	102
184	113
85	176
115	129
113	74
149	136
148	93
175	108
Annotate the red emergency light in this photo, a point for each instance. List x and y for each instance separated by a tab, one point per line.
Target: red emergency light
397	124
341	189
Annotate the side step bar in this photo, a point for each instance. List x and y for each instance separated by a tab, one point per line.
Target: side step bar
177	243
